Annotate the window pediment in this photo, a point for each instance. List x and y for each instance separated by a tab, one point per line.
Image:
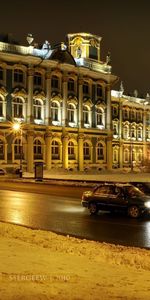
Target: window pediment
3	91
39	95
72	100
88	102
100	104
19	92
56	97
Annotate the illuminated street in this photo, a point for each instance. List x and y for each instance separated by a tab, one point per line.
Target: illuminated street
48	208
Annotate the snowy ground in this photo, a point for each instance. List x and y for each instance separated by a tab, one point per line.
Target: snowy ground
42	265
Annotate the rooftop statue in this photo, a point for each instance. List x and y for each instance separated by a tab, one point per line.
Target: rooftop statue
45	52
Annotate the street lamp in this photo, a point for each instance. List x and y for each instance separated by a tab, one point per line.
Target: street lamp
17	128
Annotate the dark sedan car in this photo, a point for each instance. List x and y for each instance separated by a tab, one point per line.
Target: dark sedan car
117	197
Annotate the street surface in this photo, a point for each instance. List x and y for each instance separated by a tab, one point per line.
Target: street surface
58	208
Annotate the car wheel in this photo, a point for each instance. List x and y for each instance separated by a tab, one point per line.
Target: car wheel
133	211
93	208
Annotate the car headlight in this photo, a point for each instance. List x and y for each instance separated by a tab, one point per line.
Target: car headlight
147	204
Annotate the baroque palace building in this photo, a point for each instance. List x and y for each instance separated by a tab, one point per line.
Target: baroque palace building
70	116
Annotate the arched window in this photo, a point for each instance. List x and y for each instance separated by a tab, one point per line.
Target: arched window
18	149
126	132
85	87
55	111
18	76
133	132
18	108
37	109
70	85
99	117
1	73
147	133
125	114
55	150
71	113
140	155
139	133
99	91
2	149
55	82
86	151
133	158
71	150
115	128
86	115
133	114
1	107
38	149
37	79
126	155
115	155
100	151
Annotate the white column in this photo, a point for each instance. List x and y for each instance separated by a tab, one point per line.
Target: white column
65	151
80	108
64	105
80	153
109	152
30	154
48	97
30	115
108	114
48	150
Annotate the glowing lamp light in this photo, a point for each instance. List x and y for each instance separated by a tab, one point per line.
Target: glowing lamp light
16	126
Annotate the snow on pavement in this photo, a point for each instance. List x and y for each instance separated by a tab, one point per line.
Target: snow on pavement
37	264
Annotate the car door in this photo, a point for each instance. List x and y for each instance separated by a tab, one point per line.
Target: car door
117	199
101	197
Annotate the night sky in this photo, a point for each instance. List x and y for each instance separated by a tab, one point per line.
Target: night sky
123	25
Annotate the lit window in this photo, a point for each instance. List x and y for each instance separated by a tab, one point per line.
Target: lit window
54	111
100	151
38	149
139	133
18	149
133	132
86	151
86	113
55	150
115	155
71	151
17	108
37	109
126	132
126	155
99	116
71	113
115	128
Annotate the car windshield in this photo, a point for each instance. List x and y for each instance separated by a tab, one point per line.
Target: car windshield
133	191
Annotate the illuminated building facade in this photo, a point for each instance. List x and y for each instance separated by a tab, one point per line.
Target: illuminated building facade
70	117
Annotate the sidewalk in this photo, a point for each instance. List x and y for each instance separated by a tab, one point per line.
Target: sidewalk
90	177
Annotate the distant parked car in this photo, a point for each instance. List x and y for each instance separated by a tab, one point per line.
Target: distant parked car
2	172
116	197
